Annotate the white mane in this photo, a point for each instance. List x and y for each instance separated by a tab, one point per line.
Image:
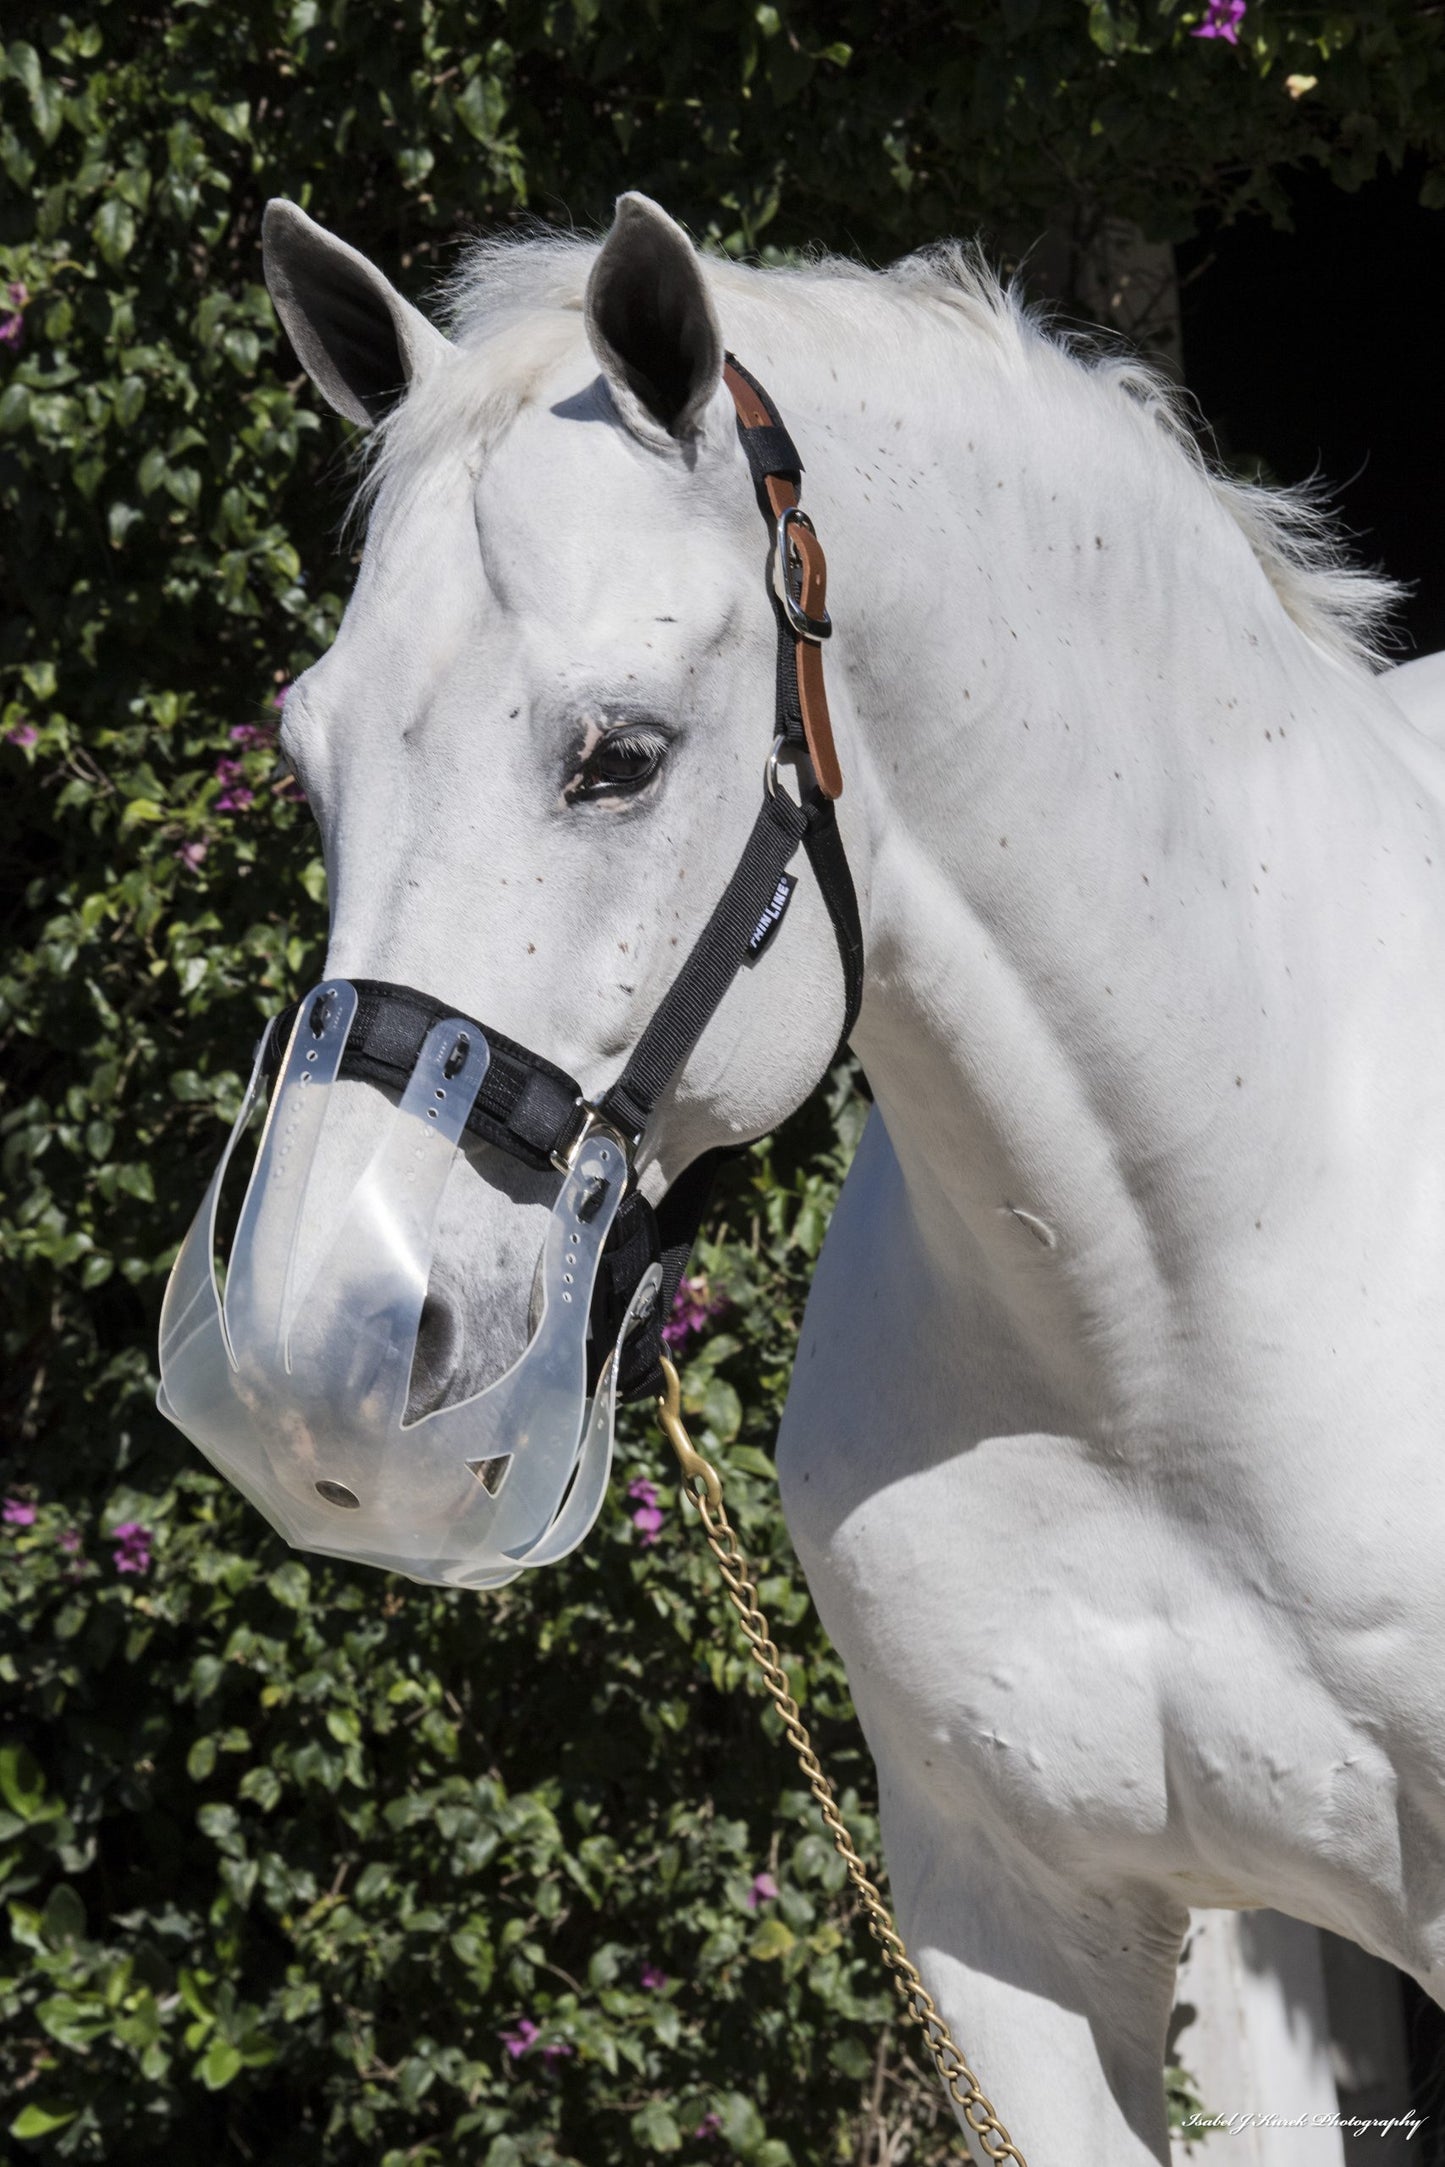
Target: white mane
520	302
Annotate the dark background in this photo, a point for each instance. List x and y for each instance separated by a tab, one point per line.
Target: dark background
1319	350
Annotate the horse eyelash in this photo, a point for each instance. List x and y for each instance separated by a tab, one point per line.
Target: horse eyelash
640	741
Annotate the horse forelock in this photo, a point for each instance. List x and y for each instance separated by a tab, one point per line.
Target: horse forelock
513	309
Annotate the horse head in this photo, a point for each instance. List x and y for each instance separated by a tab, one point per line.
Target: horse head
536	754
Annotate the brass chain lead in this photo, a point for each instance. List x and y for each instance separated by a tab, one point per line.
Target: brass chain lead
702	1488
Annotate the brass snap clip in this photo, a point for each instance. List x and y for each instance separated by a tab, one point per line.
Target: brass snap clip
699	1477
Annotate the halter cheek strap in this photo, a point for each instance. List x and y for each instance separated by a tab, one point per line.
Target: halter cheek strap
533	1110
802	726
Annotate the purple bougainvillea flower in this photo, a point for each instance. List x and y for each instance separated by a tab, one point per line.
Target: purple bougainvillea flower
192	855
653	1979
12	323
132	1547
709	2126
24	735
524	2036
250	733
236	794
1222	20
17	1513
280	700
763	1891
647	1519
692	1306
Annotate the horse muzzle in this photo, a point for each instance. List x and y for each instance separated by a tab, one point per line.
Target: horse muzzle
294	1381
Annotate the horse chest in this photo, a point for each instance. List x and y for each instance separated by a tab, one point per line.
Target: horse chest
1121	1677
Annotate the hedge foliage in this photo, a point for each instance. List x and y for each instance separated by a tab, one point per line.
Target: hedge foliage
303	1865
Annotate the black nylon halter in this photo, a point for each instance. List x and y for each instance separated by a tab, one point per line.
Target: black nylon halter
533	1110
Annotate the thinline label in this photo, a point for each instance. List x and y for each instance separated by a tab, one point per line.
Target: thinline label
772	917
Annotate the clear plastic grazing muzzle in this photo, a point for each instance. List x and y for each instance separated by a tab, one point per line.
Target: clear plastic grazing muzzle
295	1384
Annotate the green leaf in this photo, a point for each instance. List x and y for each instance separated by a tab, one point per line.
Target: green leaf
119	521
184	484
219	2064
774	1938
38	2120
201	1759
655	2126
73	2023
47	106
63	1918
851	2059
114	229
242	349
22	1785
191	1987
481	108
24	63
235	120
742	2125
262	1786
291	1584
720	1408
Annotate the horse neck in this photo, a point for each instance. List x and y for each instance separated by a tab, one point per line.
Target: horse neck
1102	775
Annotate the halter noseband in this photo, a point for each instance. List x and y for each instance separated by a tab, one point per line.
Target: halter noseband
533	1110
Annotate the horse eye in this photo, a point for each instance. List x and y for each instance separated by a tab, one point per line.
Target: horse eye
619	764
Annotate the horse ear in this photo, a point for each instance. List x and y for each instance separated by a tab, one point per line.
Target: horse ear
358	341
651	321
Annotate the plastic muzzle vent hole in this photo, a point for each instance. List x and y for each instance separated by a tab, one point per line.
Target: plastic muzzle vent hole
336	1493
489	1473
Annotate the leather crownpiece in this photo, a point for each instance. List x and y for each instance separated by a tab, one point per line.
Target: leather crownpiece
783	494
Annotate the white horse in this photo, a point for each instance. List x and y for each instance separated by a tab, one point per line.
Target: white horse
1114	1451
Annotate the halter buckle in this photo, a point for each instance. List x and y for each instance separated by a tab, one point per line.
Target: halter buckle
792	576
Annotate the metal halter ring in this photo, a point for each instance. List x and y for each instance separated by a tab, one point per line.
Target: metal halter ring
564	1158
781	746
790	579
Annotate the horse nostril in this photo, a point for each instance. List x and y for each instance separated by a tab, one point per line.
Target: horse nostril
438	1352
